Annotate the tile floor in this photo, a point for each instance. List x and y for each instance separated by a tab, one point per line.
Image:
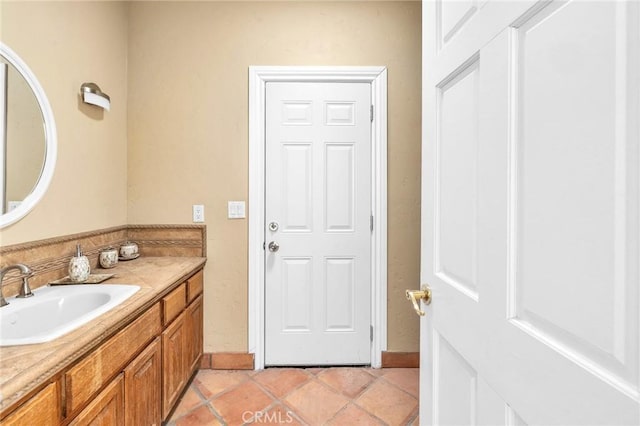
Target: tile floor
301	396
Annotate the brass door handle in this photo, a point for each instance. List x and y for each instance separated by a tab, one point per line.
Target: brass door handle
423	294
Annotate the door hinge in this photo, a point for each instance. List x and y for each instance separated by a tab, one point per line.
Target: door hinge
371	113
264	245
371	333
371	223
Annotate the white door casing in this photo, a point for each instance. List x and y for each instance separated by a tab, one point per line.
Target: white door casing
258	78
317	209
3	137
531	213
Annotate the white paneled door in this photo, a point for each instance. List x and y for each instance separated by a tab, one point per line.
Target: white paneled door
531	213
318	238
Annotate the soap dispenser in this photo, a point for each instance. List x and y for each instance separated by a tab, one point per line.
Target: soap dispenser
79	268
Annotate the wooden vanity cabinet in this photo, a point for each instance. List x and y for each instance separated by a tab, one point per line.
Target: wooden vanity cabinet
135	377
43	409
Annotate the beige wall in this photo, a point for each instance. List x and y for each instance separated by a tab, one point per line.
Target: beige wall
66	44
188	127
186	140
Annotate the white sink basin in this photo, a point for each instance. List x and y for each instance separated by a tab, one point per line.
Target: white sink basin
56	310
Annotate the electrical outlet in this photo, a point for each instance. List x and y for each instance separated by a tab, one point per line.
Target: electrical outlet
198	213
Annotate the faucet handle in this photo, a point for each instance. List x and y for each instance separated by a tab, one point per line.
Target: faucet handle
25	289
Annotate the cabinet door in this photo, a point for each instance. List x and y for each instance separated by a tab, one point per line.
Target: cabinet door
42	410
194	336
106	409
173	360
142	387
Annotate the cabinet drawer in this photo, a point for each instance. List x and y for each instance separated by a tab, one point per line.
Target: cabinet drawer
174	303
90	374
194	286
42	410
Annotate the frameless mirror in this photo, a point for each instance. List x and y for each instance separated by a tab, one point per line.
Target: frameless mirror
28	141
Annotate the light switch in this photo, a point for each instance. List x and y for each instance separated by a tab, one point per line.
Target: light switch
236	210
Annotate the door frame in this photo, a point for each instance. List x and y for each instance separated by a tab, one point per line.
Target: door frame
259	76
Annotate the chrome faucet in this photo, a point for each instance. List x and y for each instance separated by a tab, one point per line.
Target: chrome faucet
25	290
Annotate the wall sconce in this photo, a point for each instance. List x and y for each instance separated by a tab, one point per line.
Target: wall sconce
91	94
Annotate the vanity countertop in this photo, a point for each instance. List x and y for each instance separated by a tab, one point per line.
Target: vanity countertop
24	368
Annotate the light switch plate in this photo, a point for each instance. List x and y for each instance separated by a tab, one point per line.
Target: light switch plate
236	210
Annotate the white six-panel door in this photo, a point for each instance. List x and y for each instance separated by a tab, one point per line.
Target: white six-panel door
318	205
531	212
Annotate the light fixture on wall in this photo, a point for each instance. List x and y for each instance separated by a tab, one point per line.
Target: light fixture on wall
91	94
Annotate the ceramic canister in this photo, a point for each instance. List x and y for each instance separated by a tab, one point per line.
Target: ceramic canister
108	257
128	249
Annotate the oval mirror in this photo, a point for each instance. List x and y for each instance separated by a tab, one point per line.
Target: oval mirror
28	140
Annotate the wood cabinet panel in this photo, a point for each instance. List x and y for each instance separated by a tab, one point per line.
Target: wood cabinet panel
173	348
106	409
143	386
195	286
43	409
194	326
90	374
174	303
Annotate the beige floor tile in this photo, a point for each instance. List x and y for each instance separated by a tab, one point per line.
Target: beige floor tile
353	415
199	417
349	381
281	381
188	402
276	415
387	402
377	372
407	379
241	403
212	382
315	403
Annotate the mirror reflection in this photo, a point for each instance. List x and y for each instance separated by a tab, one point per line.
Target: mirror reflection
23	144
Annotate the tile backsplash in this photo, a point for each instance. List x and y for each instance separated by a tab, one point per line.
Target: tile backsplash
49	258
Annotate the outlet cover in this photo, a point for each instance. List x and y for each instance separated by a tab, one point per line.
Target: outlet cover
198	213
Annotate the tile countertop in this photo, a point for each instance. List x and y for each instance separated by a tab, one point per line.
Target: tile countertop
24	368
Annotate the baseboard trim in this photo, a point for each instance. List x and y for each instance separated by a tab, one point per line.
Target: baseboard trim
227	361
245	361
400	359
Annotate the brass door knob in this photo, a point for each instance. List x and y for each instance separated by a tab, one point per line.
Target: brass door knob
423	294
